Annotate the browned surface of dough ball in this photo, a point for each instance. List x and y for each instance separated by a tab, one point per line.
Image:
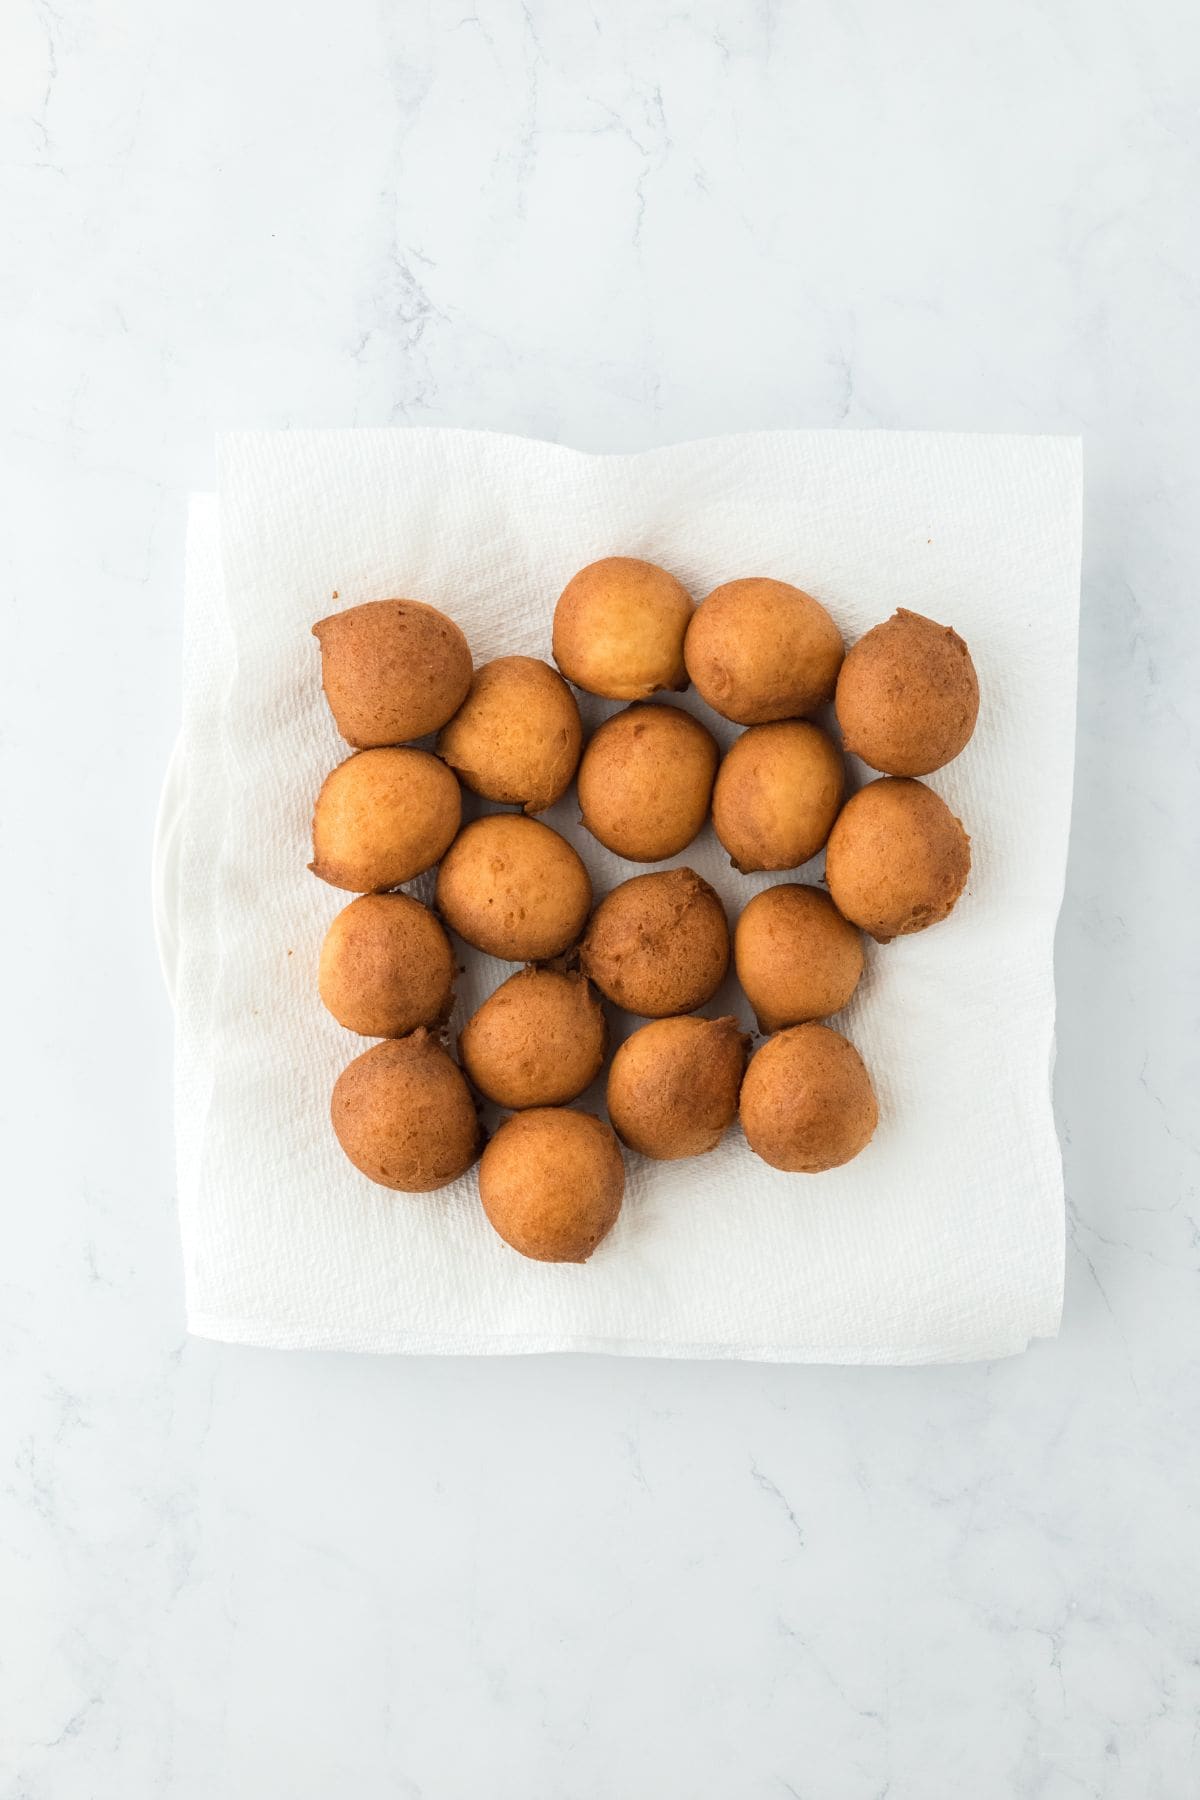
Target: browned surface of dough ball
673	1086
392	670
646	780
796	957
403	1114
517	736
658	944
777	794
539	1040
382	817
515	888
759	650
551	1182
807	1102
908	696
386	967
619	627
897	858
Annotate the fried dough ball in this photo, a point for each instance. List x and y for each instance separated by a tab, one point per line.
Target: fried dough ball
908	696
539	1040
382	817
658	944
673	1086
646	780
513	887
618	629
897	859
403	1114
777	794
759	650
386	967
516	737
552	1182
796	957
807	1102
392	670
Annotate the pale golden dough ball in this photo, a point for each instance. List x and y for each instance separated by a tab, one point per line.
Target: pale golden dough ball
552	1182
777	794
619	627
796	957
539	1040
646	780
897	859
658	944
673	1086
807	1102
392	670
908	696
403	1114
513	887
759	650
386	967
516	737
383	817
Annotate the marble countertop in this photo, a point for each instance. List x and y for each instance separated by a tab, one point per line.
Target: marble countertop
621	224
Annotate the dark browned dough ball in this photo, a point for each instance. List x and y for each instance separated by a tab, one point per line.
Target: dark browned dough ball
658	944
402	1112
807	1102
392	670
908	696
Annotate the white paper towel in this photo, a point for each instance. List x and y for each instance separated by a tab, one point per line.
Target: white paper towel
944	1240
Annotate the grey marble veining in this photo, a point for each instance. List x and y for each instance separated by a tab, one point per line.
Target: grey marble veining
618	224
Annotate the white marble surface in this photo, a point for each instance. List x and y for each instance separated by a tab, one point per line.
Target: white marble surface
284	1577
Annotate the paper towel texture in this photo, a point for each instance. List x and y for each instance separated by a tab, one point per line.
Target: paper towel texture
944	1240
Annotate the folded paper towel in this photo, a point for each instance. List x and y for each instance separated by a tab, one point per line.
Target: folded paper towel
944	1240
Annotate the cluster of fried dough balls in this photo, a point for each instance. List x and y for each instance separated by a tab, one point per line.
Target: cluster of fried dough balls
763	654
